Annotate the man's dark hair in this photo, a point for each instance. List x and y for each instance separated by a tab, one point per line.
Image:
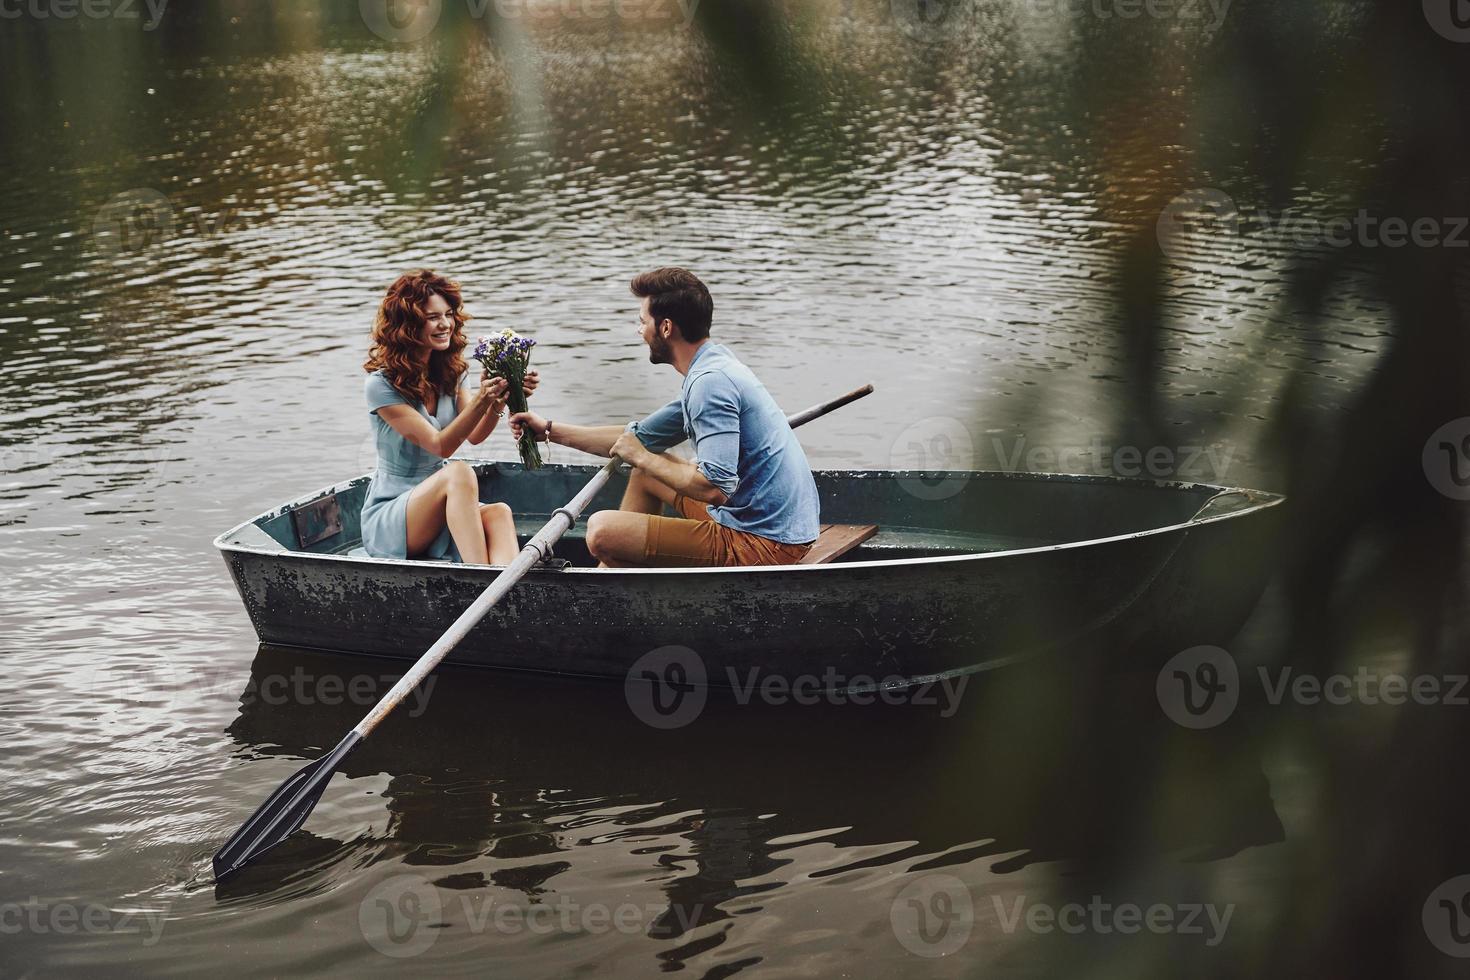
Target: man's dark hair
678	295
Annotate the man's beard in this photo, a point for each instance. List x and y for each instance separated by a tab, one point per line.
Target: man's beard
658	351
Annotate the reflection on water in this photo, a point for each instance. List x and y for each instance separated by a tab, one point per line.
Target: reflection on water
196	223
488	793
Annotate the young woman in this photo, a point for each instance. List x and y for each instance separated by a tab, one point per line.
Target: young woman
419	506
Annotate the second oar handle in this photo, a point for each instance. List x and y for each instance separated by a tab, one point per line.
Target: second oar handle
817	411
535	550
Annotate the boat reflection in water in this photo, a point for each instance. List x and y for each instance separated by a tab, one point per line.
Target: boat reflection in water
501	775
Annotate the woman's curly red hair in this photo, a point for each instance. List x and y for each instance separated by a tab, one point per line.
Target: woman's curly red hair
398	333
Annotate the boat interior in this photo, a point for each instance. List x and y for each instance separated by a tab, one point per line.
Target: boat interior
917	514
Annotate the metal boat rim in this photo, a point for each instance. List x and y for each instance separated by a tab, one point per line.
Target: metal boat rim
1260	500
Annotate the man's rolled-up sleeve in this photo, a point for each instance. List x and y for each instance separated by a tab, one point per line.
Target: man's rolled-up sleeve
663	430
714	415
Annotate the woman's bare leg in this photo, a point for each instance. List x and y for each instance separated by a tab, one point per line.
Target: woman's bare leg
451	496
500	533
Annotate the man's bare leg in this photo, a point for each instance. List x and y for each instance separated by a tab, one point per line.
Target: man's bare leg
617	539
646	495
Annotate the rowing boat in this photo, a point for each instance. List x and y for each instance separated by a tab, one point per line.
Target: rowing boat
967	571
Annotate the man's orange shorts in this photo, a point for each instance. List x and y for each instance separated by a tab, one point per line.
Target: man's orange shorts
697	539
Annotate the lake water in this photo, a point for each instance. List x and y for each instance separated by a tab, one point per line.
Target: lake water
198	221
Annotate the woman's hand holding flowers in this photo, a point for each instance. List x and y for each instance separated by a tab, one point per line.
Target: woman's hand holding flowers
491	396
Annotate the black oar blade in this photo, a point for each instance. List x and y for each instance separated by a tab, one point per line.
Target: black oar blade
283	813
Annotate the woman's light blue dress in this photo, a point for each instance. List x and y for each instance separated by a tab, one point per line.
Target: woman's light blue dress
401	467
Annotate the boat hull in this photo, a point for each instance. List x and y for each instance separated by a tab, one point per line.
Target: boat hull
883	621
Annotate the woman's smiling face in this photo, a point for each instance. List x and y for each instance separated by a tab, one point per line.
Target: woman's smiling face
439	326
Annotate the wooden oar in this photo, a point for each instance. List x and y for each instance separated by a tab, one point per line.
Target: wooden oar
286	810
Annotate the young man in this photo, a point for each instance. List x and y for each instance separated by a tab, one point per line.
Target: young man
747	499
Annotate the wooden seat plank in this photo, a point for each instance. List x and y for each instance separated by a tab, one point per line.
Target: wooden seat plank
836	540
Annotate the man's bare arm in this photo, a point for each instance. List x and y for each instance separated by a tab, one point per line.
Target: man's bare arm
607	440
594	439
681	474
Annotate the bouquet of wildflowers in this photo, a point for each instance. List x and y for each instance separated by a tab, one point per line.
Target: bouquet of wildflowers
508	355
